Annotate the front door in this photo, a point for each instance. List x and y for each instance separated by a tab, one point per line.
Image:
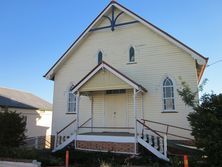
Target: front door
115	111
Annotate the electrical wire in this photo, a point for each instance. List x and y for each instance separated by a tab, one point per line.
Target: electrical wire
218	61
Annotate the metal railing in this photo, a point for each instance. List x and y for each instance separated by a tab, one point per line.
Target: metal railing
168	126
59	139
38	142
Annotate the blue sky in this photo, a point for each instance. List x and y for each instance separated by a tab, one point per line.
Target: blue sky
35	33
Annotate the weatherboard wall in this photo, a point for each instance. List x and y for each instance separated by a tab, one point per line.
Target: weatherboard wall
155	58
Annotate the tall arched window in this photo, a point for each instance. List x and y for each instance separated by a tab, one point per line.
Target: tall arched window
71	102
131	54
100	57
168	95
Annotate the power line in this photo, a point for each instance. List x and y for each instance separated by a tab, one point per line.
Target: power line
218	61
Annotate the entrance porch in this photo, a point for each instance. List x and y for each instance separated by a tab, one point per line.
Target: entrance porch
109	107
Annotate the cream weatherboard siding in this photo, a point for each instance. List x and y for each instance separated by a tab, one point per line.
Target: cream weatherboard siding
38	123
104	80
155	59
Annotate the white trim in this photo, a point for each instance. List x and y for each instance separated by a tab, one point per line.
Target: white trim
48	76
135	121
121	77
88	77
192	53
174	92
115	139
102	65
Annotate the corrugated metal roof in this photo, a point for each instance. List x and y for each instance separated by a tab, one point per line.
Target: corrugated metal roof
20	99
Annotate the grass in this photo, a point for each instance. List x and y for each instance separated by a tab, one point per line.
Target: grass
91	159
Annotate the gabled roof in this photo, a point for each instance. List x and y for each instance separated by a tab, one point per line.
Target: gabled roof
104	65
19	99
198	57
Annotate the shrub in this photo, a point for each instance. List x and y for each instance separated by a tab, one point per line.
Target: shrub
13	126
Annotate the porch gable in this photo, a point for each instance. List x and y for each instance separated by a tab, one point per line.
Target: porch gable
106	77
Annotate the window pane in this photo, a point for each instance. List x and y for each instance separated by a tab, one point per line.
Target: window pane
169	104
72	103
131	54
168	95
100	57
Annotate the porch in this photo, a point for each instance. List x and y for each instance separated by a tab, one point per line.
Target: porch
109	109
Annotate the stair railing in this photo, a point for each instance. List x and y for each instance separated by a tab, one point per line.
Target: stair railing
168	127
152	137
59	139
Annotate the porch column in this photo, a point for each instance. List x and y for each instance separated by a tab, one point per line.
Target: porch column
77	110
77	118
91	108
142	105
135	116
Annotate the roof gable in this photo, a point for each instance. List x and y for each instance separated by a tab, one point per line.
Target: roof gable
201	60
114	72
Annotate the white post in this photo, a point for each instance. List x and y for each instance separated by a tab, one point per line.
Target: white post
91	113
165	145
135	116
77	110
55	140
142	106
77	118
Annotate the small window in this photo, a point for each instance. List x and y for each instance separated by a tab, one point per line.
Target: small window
168	95
72	103
100	57
131	54
117	91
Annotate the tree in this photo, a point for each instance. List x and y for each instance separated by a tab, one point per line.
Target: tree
206	123
13	127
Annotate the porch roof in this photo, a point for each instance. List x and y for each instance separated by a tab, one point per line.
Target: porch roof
113	71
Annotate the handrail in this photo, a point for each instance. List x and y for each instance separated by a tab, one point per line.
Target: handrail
85	122
155	132
171	134
66	126
166	124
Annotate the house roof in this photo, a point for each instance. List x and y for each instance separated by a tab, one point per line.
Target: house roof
19	99
197	56
104	65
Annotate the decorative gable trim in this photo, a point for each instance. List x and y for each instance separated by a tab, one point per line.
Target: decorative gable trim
200	59
104	65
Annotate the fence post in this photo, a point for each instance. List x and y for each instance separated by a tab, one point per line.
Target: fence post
36	142
67	158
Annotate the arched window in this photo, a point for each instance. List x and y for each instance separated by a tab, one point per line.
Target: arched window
100	57
71	102
131	54
168	95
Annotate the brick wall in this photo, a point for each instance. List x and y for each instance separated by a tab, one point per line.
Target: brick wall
106	146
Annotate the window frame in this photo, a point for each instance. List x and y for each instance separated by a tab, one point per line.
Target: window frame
69	103
173	98
131	51
99	57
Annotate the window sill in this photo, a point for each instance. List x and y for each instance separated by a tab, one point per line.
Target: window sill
170	111
131	63
71	113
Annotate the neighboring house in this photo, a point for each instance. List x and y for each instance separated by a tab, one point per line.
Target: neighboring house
120	73
37	112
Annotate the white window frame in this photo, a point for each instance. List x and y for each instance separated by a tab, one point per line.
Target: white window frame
69	109
172	97
129	55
